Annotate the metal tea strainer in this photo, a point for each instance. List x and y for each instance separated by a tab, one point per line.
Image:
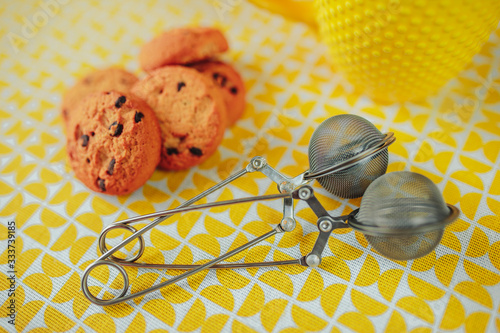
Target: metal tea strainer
346	154
342	138
399	217
403	215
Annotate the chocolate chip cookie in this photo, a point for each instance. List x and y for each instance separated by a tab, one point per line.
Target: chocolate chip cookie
182	46
113	142
191	113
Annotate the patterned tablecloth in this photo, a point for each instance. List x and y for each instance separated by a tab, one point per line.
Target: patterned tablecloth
453	138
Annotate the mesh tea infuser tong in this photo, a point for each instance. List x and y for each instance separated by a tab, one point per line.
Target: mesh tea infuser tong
402	215
346	154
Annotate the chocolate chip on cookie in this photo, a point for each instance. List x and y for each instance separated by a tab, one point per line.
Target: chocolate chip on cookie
180	85
111	167
138	116
119	102
85	140
196	151
102	184
116	129
172	151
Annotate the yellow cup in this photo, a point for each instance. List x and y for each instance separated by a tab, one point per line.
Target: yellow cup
397	50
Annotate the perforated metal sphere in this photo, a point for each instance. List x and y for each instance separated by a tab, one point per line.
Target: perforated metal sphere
400	202
338	139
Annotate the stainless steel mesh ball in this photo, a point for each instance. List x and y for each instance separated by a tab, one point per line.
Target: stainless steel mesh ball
403	215
338	139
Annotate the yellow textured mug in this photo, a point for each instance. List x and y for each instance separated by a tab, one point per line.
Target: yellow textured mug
398	50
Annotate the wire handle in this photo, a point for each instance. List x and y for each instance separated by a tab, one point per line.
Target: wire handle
258	163
118	265
386	141
285	185
326	224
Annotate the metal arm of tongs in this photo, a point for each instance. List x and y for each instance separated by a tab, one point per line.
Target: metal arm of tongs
195	268
285	186
258	163
326	224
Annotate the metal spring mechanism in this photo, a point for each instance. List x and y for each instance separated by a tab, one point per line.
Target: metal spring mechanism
363	153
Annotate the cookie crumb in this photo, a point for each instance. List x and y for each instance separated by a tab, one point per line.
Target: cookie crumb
172	151
138	116
101	184
111	167
180	85
195	151
120	101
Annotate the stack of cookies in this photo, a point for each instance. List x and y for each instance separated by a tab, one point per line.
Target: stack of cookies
120	128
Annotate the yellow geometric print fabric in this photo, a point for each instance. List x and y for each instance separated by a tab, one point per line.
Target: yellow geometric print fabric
453	138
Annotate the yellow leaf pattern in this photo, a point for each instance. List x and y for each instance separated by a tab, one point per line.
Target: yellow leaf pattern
453	138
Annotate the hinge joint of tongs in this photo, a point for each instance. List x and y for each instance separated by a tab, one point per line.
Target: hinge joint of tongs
326	224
